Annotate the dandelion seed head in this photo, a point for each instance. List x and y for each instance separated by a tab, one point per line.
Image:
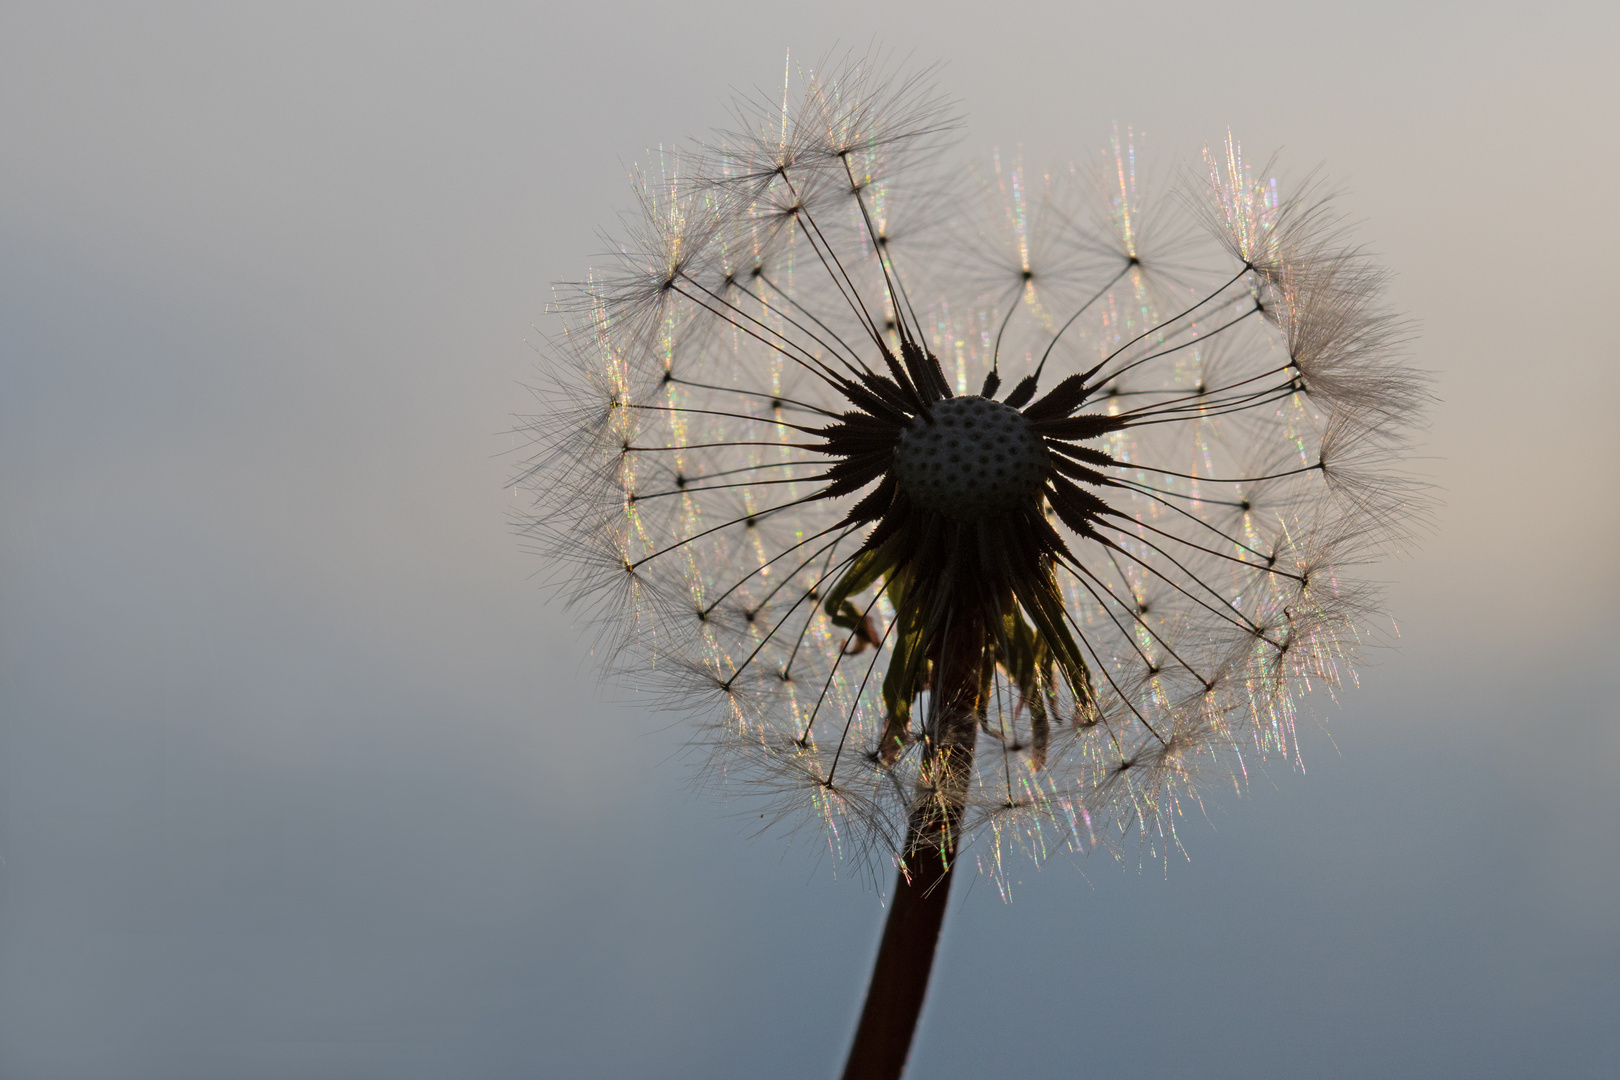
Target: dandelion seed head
1008	513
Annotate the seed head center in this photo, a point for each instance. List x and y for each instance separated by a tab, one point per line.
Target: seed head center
977	458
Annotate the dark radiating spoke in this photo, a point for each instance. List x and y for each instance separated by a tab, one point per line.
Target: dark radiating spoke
791	321
719	412
727	487
807	313
751	468
856	368
1225	611
1136	616
1234	541
631	448
787	579
1221	479
811	364
891	276
771	561
843	651
1161	325
1081	311
1196	406
1202	396
1264	567
1102	665
855	705
777	400
1016	297
854	294
1137	485
723	525
1198	340
812	593
1263	397
846	289
1080	574
839	567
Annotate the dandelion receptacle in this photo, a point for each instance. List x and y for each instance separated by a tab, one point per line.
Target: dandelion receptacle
988	510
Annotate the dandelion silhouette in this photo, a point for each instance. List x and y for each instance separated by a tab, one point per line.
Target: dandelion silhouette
999	513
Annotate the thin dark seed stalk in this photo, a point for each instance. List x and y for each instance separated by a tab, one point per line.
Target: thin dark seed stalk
894	998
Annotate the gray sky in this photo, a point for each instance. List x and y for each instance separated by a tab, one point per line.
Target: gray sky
304	776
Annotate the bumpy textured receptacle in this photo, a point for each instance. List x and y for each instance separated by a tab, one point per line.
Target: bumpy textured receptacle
970	457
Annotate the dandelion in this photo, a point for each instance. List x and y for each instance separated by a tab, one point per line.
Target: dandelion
1000	509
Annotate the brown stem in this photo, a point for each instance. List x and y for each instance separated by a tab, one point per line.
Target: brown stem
894	1000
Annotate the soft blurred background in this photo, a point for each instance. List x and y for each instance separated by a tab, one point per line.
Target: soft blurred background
305	775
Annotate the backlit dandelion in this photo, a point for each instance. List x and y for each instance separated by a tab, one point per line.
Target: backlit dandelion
1001	510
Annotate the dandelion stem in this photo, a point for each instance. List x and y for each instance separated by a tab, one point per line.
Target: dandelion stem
894	999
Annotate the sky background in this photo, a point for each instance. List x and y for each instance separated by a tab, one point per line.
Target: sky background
304	775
